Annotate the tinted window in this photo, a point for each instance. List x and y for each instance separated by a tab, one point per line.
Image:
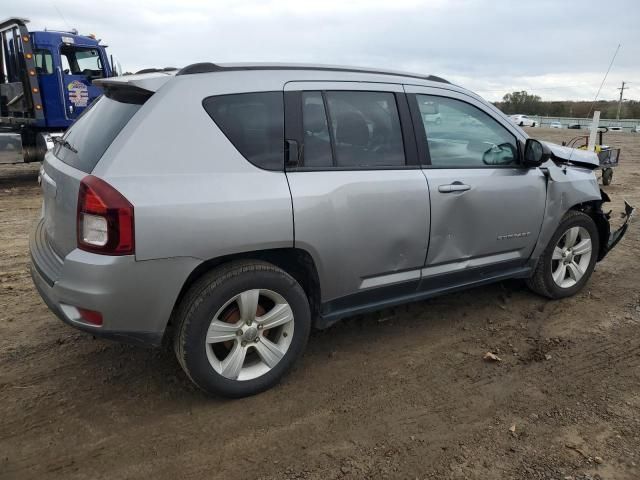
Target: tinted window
254	123
365	127
461	135
317	141
93	132
44	62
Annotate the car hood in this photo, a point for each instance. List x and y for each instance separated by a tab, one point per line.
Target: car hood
574	156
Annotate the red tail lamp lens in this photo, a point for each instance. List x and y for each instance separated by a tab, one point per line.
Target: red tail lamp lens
105	219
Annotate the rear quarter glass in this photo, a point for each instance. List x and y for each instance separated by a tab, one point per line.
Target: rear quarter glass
93	132
253	123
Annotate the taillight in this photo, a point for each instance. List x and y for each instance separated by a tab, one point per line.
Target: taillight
105	219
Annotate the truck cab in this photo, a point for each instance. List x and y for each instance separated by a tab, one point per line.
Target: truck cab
46	82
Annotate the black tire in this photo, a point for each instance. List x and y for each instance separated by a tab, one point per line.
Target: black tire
542	281
533	124
607	176
522	124
207	296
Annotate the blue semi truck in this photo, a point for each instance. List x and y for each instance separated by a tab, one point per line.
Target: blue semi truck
46	82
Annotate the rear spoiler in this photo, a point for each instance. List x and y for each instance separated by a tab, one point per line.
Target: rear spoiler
150	82
133	88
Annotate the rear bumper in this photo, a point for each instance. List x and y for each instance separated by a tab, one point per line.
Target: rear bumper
135	298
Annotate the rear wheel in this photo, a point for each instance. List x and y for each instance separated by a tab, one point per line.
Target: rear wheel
241	328
522	124
569	259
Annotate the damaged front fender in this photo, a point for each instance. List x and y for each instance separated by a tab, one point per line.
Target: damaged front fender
573	187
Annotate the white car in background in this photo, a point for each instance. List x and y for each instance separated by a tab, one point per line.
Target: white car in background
555	125
522	121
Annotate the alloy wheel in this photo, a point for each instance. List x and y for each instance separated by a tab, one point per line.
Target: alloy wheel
250	334
571	257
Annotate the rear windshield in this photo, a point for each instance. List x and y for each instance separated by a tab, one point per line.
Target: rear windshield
92	133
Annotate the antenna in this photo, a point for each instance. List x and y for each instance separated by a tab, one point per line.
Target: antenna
60	13
603	80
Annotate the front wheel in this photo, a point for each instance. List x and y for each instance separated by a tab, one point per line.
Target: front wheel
241	327
607	176
569	259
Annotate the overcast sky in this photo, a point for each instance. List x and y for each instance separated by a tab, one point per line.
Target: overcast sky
558	49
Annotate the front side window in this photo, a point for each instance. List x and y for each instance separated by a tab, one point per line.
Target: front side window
44	62
253	123
461	135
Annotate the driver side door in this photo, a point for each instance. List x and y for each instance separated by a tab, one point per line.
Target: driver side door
486	209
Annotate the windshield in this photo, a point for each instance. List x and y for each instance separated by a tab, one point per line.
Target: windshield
81	61
92	133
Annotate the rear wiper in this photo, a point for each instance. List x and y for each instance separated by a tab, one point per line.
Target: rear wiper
63	143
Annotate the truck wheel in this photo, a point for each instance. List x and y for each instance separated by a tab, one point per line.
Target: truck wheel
569	259
34	146
241	327
607	176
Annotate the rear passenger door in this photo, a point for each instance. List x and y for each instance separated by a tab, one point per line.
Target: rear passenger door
486	208
360	199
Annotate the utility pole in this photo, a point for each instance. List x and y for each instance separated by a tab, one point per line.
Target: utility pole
620	101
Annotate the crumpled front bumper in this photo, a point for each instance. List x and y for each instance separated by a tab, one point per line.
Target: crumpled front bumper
613	238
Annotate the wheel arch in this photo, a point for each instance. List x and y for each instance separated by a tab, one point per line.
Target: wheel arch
593	208
295	261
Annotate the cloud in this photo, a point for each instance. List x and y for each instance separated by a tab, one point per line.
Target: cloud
555	49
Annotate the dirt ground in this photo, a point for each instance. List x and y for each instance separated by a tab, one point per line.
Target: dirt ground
399	394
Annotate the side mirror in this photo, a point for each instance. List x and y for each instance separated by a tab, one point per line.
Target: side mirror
535	153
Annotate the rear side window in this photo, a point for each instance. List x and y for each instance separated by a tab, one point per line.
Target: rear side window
317	141
89	137
363	130
253	123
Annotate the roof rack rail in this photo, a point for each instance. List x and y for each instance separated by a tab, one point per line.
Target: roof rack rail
156	70
208	67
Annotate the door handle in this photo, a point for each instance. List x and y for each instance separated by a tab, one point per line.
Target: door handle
454	187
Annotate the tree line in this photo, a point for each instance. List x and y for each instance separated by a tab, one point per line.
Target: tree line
528	104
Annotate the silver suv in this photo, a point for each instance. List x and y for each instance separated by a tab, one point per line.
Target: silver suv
238	206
